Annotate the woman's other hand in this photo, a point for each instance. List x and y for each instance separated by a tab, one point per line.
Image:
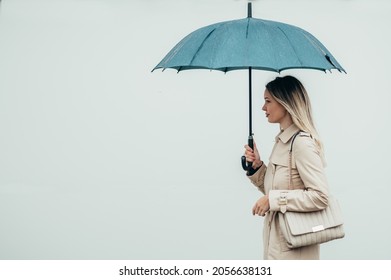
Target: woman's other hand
262	206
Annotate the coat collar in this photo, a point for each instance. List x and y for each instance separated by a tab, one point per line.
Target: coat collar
287	134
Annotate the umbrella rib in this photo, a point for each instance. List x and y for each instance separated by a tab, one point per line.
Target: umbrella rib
320	49
248	25
200	47
315	45
290	44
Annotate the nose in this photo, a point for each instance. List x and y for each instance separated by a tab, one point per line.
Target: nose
264	108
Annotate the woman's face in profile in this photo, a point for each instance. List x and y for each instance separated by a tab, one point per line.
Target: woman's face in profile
275	112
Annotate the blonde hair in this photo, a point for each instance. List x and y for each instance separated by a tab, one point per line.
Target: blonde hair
291	94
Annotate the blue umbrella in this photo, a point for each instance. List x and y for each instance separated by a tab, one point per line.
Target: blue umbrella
249	43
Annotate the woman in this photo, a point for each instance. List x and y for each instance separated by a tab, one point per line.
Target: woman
287	103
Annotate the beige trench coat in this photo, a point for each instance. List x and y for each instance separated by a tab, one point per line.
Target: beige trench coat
310	190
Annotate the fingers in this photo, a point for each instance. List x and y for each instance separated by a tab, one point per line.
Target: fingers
261	207
248	148
249	154
252	155
259	211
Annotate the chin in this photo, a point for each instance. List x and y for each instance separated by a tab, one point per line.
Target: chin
271	121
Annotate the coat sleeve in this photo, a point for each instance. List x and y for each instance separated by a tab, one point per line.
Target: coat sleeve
258	178
309	165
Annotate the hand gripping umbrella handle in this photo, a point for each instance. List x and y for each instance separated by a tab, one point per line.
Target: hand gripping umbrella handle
245	164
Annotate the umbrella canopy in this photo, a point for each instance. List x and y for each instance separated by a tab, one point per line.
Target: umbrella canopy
249	42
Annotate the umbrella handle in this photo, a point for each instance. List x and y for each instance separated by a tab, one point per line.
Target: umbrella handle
246	164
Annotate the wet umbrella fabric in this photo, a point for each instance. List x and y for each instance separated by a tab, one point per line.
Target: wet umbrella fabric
249	43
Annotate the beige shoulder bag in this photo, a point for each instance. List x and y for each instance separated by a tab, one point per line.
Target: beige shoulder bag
309	228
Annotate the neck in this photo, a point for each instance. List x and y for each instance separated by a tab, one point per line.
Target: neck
285	123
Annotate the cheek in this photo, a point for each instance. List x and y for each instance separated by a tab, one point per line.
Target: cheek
280	112
276	112
271	108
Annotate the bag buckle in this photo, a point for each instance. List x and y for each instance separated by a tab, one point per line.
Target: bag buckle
283	200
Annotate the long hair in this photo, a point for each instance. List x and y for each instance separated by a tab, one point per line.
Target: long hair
291	94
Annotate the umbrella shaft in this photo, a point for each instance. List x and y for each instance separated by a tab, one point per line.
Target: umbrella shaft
250	106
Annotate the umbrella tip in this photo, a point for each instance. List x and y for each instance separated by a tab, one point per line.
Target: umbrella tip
249	10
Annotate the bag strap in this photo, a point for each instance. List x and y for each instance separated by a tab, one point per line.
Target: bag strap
290	187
